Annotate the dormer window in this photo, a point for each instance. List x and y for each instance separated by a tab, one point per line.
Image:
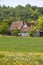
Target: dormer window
25	25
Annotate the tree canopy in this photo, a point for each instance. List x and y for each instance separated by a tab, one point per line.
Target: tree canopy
20	13
27	13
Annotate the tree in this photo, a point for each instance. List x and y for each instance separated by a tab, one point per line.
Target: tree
40	23
4	28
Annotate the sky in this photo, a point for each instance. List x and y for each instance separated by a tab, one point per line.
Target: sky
14	3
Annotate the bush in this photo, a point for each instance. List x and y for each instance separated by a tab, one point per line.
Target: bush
4	28
15	32
32	33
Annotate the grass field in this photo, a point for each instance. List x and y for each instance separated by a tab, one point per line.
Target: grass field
21	44
21	50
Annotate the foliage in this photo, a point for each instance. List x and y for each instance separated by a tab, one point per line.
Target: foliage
15	32
4	29
39	23
32	33
20	12
28	13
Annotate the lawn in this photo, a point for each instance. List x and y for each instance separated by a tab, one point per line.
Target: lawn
21	44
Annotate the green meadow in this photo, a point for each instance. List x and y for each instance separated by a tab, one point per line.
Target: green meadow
21	44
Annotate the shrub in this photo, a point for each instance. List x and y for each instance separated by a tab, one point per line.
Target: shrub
4	28
32	33
15	32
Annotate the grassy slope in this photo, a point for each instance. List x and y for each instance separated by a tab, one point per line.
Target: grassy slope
21	44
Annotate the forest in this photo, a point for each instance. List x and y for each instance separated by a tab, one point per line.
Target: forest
19	13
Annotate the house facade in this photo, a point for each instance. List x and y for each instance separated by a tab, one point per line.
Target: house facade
25	30
24	27
41	32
